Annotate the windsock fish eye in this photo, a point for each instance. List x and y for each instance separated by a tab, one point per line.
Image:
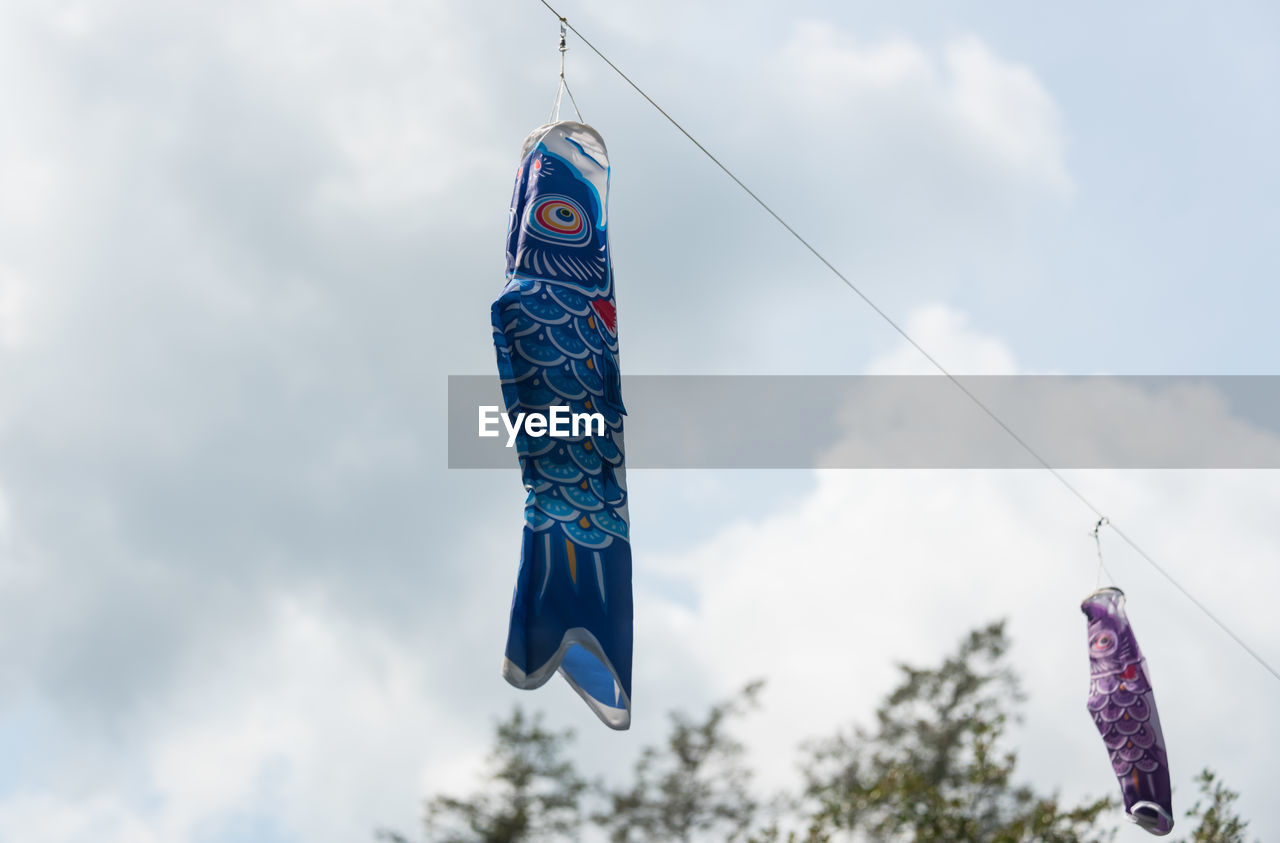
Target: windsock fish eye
558	211
1123	708
1103	643
555	335
557	220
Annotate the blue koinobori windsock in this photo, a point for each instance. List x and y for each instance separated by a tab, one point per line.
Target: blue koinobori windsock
556	335
1123	708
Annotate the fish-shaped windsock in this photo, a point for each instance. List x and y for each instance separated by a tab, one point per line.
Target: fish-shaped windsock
1124	710
556	335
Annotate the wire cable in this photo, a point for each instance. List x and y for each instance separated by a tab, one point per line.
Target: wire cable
1103	519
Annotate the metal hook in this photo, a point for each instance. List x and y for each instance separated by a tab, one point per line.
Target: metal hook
1097	540
564	85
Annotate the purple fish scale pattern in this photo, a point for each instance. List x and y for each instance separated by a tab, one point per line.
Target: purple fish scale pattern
1121	707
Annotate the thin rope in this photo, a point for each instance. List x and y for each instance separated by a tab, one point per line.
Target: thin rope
555	106
572	100
1102	566
1103	520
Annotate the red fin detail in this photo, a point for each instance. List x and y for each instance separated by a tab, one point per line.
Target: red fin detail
608	313
1131	672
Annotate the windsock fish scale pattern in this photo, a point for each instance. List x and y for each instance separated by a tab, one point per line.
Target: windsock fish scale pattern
556	335
1123	708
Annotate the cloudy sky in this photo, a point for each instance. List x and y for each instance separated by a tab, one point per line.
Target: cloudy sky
242	245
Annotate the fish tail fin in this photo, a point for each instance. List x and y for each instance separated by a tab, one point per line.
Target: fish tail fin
1152	817
571	613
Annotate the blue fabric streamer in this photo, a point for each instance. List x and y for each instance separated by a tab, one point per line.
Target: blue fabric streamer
556	336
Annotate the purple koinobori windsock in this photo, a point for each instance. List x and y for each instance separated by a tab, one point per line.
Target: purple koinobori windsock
556	335
1124	710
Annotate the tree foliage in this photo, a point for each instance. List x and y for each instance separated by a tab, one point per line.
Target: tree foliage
1219	823
933	766
534	792
696	784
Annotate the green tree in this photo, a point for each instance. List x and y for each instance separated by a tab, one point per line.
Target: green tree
696	786
1219	823
532	792
934	767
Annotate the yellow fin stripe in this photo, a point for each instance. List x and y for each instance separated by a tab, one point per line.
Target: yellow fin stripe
573	561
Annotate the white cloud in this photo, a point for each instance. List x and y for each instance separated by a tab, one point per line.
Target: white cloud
45	817
315	726
6	539
11	297
1008	112
239	585
1078	421
875	567
946	335
995	113
836	72
920	172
